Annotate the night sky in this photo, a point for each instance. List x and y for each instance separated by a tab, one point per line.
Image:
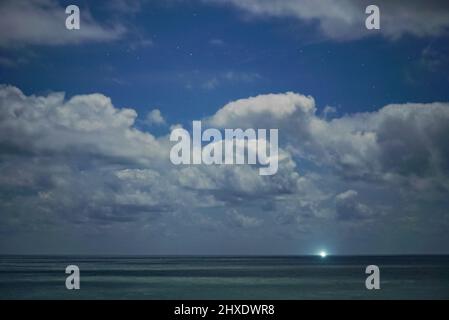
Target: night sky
85	119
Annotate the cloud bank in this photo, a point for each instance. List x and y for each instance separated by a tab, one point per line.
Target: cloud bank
80	163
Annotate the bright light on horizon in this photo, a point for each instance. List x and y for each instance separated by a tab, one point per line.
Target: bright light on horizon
323	254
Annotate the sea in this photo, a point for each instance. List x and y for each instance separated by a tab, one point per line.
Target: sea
224	277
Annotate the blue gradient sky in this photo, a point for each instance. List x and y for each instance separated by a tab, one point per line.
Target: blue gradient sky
177	54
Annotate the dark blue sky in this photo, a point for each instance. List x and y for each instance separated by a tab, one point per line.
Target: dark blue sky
189	58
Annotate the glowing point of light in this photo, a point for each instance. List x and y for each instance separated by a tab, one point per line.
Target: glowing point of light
323	254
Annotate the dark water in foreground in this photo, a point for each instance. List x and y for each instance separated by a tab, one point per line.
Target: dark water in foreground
301	277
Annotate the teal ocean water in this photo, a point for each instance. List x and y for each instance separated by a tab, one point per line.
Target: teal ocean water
290	277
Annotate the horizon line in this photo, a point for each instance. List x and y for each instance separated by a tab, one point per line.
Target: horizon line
222	255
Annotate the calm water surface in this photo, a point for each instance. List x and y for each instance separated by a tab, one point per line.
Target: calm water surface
292	277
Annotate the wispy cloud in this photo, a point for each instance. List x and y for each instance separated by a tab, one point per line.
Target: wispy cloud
231	78
42	22
344	20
